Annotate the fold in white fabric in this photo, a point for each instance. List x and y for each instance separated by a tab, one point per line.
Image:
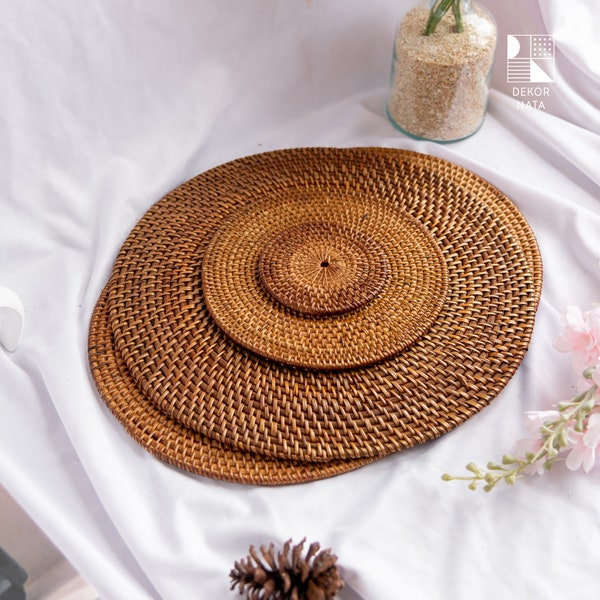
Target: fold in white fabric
106	106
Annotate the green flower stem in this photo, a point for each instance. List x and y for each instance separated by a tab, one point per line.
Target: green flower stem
457	16
554	439
437	12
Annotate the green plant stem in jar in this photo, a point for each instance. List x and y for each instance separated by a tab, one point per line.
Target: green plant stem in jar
438	9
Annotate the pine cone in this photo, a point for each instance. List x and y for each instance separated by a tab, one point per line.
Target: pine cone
285	577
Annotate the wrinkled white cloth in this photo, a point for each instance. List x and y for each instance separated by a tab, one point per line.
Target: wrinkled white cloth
109	104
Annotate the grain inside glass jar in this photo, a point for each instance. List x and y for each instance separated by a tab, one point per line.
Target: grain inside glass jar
439	84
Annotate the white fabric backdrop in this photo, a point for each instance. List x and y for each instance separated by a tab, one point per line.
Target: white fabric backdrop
106	105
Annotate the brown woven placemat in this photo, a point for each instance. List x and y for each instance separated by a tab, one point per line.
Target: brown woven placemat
195	376
373	312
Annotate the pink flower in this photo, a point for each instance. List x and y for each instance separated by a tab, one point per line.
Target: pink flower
581	337
585	445
534	419
527	446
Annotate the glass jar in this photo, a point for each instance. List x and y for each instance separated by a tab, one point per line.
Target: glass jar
440	79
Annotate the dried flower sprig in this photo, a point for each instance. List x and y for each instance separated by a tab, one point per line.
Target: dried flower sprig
437	12
571	429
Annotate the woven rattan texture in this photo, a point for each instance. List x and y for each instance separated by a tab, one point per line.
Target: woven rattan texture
320	268
407	277
193	375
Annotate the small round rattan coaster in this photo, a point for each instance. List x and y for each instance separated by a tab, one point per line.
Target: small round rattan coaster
195	375
320	268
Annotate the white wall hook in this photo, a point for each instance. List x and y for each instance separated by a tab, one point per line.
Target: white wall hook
12	316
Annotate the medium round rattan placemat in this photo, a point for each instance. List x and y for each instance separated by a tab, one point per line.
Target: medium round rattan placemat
217	392
373	312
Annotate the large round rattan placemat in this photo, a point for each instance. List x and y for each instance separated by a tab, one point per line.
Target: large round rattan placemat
196	376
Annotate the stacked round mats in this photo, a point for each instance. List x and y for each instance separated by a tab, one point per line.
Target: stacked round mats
296	314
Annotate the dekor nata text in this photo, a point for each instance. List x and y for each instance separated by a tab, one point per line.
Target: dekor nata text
531	97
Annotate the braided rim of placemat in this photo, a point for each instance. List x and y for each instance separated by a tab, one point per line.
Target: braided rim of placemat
189	370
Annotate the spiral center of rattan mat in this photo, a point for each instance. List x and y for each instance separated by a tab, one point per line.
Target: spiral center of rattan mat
322	268
324	282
